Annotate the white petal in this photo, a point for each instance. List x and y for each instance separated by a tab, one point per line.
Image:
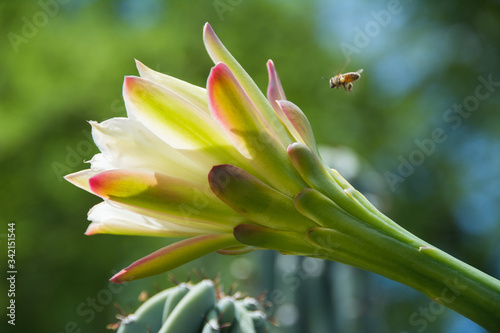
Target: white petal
128	144
81	179
194	94
110	219
170	116
99	163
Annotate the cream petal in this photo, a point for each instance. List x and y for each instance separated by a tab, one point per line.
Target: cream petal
110	219
163	196
127	144
99	163
194	94
178	123
169	116
81	179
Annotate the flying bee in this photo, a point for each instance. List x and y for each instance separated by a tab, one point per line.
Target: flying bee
345	80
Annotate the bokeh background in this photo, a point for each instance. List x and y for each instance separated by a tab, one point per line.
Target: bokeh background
62	63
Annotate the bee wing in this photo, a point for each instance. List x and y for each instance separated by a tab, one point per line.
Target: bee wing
359	71
348	60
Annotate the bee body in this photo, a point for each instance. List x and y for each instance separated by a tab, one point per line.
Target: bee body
345	80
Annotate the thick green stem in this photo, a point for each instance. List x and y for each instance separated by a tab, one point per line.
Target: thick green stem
441	277
395	253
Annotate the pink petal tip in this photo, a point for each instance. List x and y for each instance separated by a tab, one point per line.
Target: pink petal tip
208	28
91	230
119	277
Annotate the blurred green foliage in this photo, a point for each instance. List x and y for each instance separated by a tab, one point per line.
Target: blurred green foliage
62	63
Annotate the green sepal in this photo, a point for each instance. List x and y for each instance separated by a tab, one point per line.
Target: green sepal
297	123
240	120
339	191
287	242
236	250
255	200
318	177
174	255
